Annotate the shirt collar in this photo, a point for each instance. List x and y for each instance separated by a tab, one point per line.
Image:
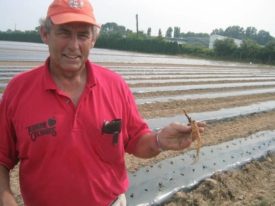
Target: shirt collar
49	84
90	74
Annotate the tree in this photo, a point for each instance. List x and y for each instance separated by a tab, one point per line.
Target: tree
269	51
159	33
249	50
225	48
37	28
149	31
218	32
251	33
169	32
263	37
176	32
234	32
113	28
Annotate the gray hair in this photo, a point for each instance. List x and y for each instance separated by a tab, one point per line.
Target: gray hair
47	24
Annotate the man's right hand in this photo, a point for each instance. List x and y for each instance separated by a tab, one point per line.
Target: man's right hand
7	199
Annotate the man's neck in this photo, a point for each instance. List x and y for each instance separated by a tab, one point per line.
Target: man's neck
71	84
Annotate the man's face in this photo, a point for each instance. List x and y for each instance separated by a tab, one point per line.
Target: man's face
69	46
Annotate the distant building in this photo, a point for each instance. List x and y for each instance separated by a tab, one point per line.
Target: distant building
215	37
177	40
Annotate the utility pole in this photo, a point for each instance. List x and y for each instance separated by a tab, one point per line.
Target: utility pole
137	23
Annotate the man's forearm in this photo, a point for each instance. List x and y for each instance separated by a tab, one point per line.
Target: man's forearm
147	146
6	197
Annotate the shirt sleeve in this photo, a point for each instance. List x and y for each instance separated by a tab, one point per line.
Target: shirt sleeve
136	125
8	153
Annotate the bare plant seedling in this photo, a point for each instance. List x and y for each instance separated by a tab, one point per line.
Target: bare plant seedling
196	136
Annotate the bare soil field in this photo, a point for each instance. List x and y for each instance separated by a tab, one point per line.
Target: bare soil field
252	184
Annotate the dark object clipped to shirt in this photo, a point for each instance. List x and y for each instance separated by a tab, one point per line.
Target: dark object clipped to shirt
112	127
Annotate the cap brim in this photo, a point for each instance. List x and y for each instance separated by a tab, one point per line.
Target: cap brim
73	17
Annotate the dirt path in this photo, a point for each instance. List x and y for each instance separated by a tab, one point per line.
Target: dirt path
252	185
154	110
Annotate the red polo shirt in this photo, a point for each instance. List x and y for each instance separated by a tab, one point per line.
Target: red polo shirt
65	159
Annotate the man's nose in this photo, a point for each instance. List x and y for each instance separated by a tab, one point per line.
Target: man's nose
73	43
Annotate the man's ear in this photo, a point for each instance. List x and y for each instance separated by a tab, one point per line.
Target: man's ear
93	43
44	35
95	34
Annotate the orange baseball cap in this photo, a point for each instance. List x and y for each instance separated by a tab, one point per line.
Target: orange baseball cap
66	11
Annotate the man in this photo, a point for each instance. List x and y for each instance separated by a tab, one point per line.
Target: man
69	121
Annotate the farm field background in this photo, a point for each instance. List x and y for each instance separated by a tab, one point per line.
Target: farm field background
164	86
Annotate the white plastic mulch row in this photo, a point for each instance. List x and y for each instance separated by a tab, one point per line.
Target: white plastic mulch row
152	185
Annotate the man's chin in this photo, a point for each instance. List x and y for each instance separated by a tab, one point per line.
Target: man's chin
71	67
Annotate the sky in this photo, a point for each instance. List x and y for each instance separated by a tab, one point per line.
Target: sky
190	15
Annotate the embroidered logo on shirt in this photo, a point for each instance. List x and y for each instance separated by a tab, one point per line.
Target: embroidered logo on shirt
76	4
42	129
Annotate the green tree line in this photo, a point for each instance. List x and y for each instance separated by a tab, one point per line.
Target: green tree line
248	51
257	46
21	36
261	37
